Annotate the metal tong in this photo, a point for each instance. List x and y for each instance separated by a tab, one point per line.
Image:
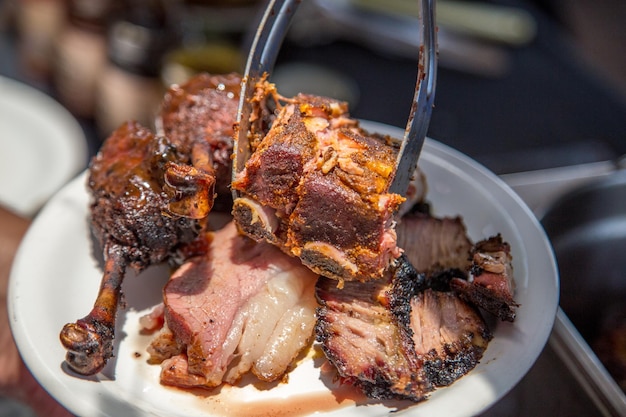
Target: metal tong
264	50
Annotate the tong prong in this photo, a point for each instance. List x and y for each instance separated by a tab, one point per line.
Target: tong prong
264	49
423	100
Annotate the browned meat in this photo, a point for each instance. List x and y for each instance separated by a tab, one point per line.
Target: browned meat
128	184
201	113
398	339
448	334
490	284
243	306
434	244
151	196
482	274
317	187
359	336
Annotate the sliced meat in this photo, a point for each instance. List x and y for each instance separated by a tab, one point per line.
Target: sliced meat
490	284
271	336
480	273
434	244
398	339
317	187
448	334
229	312
360	337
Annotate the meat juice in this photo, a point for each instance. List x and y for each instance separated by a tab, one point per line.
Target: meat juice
231	400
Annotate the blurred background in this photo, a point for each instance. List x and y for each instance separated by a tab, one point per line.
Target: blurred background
524	87
522	84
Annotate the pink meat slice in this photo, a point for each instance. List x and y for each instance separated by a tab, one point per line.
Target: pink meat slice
205	297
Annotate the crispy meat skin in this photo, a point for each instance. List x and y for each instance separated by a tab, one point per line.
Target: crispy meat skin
151	196
480	273
127	209
319	183
203	111
398	339
126	180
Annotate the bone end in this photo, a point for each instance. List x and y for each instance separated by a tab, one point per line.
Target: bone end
88	349
255	220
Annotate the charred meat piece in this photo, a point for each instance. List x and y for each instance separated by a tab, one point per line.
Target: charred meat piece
480	273
127	182
198	118
449	335
438	248
360	337
398	339
490	284
317	187
244	306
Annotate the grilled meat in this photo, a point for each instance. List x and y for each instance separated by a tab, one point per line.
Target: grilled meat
398	338
151	196
448	334
314	199
480	273
434	244
243	306
490	284
201	114
317	187
360	337
127	181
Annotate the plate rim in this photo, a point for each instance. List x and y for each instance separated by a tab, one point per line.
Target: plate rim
431	147
69	136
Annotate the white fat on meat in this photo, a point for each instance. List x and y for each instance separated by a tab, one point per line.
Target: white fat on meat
276	324
244	306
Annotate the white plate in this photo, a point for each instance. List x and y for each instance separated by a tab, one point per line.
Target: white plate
55	280
43	147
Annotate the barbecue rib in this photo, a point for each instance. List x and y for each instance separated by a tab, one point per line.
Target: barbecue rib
317	187
129	180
